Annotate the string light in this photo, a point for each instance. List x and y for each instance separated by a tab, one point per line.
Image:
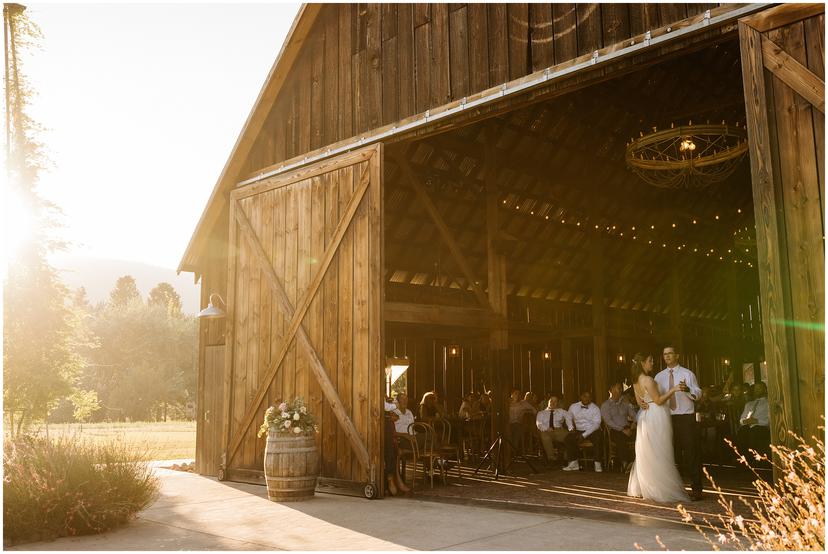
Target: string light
613	229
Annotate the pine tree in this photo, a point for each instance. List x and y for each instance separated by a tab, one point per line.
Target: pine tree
165	296
125	292
39	359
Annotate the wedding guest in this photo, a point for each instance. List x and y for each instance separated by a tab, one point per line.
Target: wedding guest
394	482
554	424
619	417
406	417
429	410
518	407
754	425
470	408
587	419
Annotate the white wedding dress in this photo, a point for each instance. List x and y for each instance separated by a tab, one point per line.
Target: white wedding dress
654	475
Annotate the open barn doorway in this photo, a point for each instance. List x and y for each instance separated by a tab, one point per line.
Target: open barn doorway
527	245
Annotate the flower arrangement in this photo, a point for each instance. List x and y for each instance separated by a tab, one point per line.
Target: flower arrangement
291	419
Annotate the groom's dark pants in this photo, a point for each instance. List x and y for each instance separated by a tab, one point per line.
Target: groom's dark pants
686	440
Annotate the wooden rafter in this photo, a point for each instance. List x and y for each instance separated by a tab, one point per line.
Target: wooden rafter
446	235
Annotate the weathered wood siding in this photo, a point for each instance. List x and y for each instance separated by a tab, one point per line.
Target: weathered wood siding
368	65
295	219
783	53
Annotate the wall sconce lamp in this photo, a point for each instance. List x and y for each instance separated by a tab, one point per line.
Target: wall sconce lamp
726	361
453	350
620	358
213	311
547	355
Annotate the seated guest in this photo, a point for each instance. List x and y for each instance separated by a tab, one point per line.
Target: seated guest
754	426
518	407
394	483
554	424
470	408
405	416
619	417
587	419
429	410
486	402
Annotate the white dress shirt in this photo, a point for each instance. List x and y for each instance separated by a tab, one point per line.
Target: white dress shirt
587	418
406	419
757	409
685	401
562	419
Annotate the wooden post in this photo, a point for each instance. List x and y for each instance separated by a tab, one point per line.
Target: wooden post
675	310
498	335
568	367
599	320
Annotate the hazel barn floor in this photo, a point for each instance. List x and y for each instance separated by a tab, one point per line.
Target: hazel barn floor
584	493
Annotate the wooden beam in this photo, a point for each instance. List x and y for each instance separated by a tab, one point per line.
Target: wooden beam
599	317
446	235
794	74
434	314
770	251
784	14
296	329
495	259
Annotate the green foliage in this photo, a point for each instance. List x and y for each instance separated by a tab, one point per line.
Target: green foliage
85	404
125	293
69	487
40	362
164	296
143	363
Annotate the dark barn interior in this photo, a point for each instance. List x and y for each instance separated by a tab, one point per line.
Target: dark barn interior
598	264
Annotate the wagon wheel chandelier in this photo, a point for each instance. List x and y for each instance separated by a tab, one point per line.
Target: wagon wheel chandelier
691	156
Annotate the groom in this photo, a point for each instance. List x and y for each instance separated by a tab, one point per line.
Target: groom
682	408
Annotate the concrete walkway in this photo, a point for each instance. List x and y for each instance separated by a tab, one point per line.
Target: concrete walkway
200	513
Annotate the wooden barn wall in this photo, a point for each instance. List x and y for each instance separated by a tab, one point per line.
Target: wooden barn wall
295	223
787	156
211	366
368	65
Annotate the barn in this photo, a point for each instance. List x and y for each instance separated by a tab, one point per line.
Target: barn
485	190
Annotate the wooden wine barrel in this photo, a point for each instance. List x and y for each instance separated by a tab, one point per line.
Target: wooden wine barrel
291	466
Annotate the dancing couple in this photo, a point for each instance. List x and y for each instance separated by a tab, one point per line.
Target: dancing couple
666	428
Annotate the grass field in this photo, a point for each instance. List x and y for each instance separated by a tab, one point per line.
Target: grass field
160	440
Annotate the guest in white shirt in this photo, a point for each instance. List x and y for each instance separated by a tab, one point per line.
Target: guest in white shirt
686	434
406	417
587	419
554	424
754	425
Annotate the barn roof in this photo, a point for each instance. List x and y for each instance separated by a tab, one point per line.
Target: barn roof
303	106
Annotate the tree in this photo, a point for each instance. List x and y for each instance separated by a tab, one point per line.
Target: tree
124	293
39	361
165	296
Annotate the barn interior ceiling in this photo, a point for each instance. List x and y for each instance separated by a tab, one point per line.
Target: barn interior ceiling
564	188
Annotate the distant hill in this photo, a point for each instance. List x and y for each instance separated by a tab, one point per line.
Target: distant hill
98	276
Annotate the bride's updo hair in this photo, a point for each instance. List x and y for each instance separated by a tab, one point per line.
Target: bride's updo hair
637	366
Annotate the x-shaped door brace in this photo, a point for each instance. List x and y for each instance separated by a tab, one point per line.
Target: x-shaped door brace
296	329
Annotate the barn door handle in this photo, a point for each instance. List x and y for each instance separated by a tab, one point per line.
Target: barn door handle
207	416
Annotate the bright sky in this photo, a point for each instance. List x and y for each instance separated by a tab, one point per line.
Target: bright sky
143	103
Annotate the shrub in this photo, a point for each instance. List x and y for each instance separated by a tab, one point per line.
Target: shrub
788	514
66	486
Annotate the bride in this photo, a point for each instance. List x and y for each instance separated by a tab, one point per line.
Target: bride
653	475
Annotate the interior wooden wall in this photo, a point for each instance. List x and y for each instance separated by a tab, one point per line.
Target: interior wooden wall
368	65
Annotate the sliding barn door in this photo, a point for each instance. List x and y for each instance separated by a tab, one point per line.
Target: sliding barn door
783	52
305	312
